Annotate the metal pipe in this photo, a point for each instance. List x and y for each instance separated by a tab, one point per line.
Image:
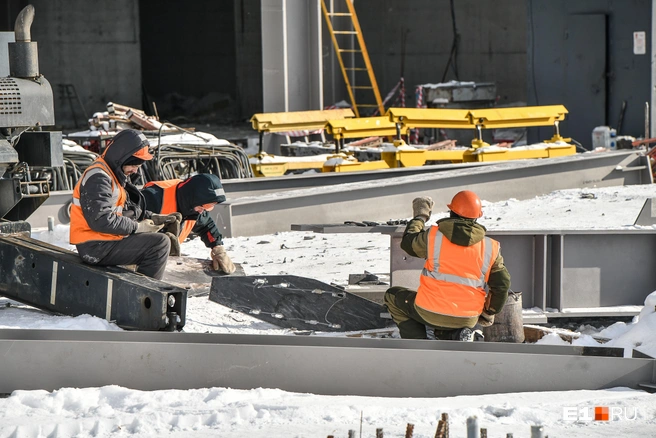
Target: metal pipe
23	24
472	427
647	121
23	56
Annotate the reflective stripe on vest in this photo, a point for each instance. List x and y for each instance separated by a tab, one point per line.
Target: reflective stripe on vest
435	274
170	204
80	231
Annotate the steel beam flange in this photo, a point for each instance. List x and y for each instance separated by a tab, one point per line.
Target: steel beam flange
304	364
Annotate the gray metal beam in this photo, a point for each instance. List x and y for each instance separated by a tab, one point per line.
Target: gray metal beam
388	199
306	364
238	188
57	204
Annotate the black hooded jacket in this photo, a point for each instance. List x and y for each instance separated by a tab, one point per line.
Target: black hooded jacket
96	189
197	190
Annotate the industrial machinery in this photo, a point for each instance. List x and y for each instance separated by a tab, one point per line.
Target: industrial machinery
31	158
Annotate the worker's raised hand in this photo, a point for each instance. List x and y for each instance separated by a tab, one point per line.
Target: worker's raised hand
422	207
485	319
147	226
221	261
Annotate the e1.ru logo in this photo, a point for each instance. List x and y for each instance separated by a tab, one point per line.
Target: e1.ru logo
599	413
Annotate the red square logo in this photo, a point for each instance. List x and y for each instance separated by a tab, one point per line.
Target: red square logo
601	413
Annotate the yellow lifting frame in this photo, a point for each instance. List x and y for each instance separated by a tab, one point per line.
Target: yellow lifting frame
291	121
477	119
282	167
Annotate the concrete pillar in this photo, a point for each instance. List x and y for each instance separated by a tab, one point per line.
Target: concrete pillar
292	77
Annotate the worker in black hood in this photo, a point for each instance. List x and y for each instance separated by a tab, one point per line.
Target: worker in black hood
108	218
193	198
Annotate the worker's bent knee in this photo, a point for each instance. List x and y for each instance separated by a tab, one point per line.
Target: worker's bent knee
398	303
392	293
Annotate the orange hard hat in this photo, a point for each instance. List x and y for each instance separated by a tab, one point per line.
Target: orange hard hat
143	154
466	204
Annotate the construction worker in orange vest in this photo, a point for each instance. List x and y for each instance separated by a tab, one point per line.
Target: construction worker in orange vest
460	262
193	199
108	216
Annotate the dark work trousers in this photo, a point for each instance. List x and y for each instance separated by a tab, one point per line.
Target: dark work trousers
149	251
400	302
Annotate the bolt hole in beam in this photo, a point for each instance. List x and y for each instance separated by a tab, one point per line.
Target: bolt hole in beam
86	283
147	303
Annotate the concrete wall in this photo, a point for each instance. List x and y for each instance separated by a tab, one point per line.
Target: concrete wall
189	56
248	63
492	45
562	74
94	46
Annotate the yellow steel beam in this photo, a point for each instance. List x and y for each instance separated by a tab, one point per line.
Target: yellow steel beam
280	167
518	117
362	127
297	120
499	154
431	118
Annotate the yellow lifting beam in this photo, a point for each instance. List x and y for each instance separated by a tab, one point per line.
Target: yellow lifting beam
298	120
361	127
278	166
431	118
517	117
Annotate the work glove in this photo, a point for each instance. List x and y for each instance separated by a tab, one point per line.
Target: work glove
421	207
221	261
170	221
485	319
147	226
175	245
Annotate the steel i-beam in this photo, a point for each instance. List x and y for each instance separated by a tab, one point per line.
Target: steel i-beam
387	199
314	364
56	280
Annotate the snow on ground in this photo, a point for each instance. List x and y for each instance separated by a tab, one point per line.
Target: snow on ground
225	412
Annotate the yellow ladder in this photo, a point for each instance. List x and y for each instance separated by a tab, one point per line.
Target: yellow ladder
351	17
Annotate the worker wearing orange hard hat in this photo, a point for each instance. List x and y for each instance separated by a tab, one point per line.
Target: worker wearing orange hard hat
464	281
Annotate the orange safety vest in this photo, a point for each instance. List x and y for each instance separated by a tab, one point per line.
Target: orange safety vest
170	204
453	280
80	231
